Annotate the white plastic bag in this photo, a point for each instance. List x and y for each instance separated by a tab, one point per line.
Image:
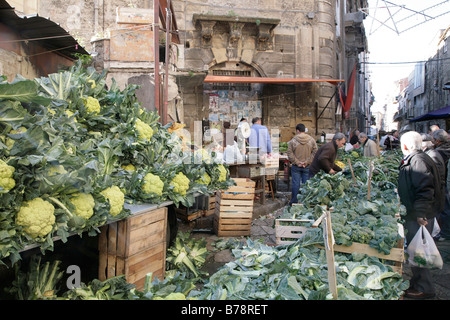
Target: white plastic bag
436	228
422	251
348	147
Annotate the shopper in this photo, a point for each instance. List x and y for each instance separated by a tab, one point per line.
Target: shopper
301	151
260	137
428	148
370	148
326	155
354	139
392	141
442	145
419	191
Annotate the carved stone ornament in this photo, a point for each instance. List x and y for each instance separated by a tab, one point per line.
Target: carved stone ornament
207	31
235	33
264	39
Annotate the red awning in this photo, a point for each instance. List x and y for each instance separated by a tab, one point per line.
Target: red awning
231	79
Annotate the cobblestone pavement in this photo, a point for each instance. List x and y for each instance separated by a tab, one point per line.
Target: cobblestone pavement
263	228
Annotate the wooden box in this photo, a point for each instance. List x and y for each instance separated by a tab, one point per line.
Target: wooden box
211	206
288	234
234	209
134	247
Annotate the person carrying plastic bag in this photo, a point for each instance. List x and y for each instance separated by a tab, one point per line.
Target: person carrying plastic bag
419	191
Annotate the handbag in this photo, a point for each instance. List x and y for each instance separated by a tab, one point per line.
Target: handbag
422	251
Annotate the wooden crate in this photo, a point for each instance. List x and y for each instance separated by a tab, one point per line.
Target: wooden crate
134	247
396	255
211	208
285	233
234	209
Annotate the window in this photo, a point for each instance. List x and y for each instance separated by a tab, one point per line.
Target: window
232	86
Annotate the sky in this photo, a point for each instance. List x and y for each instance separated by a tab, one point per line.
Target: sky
411	38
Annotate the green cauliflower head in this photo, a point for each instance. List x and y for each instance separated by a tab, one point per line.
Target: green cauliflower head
205	179
180	183
145	131
84	204
7	181
37	217
223	173
116	199
152	184
92	105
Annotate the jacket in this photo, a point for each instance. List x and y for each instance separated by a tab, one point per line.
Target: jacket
324	159
370	148
301	148
260	138
419	186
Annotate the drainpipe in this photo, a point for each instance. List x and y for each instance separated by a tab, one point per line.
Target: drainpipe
95	17
156	51
166	73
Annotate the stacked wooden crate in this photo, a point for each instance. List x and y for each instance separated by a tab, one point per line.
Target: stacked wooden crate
134	247
234	209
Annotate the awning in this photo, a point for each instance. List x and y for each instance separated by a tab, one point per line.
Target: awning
436	114
233	79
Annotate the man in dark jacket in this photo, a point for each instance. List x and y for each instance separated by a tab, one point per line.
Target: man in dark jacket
326	155
419	191
442	145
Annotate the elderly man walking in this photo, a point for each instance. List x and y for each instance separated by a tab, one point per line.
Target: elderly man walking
370	148
419	191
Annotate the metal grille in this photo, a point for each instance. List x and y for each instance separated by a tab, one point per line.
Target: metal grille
232	86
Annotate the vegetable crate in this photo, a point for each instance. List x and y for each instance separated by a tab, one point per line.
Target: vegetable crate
288	230
287	234
134	247
210	206
234	209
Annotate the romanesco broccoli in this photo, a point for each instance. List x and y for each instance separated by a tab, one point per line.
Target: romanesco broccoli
205	179
152	184
84	204
223	173
116	199
129	167
180	183
92	105
7	181
37	217
145	131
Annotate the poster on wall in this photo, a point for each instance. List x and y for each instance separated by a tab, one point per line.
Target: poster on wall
226	106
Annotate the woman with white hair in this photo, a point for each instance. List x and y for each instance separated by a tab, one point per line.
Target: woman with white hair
420	192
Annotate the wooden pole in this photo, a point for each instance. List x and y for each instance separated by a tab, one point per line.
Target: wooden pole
329	250
351	169
370	179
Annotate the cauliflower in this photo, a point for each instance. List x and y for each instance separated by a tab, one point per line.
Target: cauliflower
84	204
223	173
145	131
129	167
116	199
205	179
152	184
6	176
92	105
37	217
180	183
70	114
56	169
9	141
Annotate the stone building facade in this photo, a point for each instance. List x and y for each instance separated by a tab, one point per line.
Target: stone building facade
310	39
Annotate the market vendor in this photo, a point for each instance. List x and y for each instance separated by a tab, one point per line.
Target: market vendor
326	155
